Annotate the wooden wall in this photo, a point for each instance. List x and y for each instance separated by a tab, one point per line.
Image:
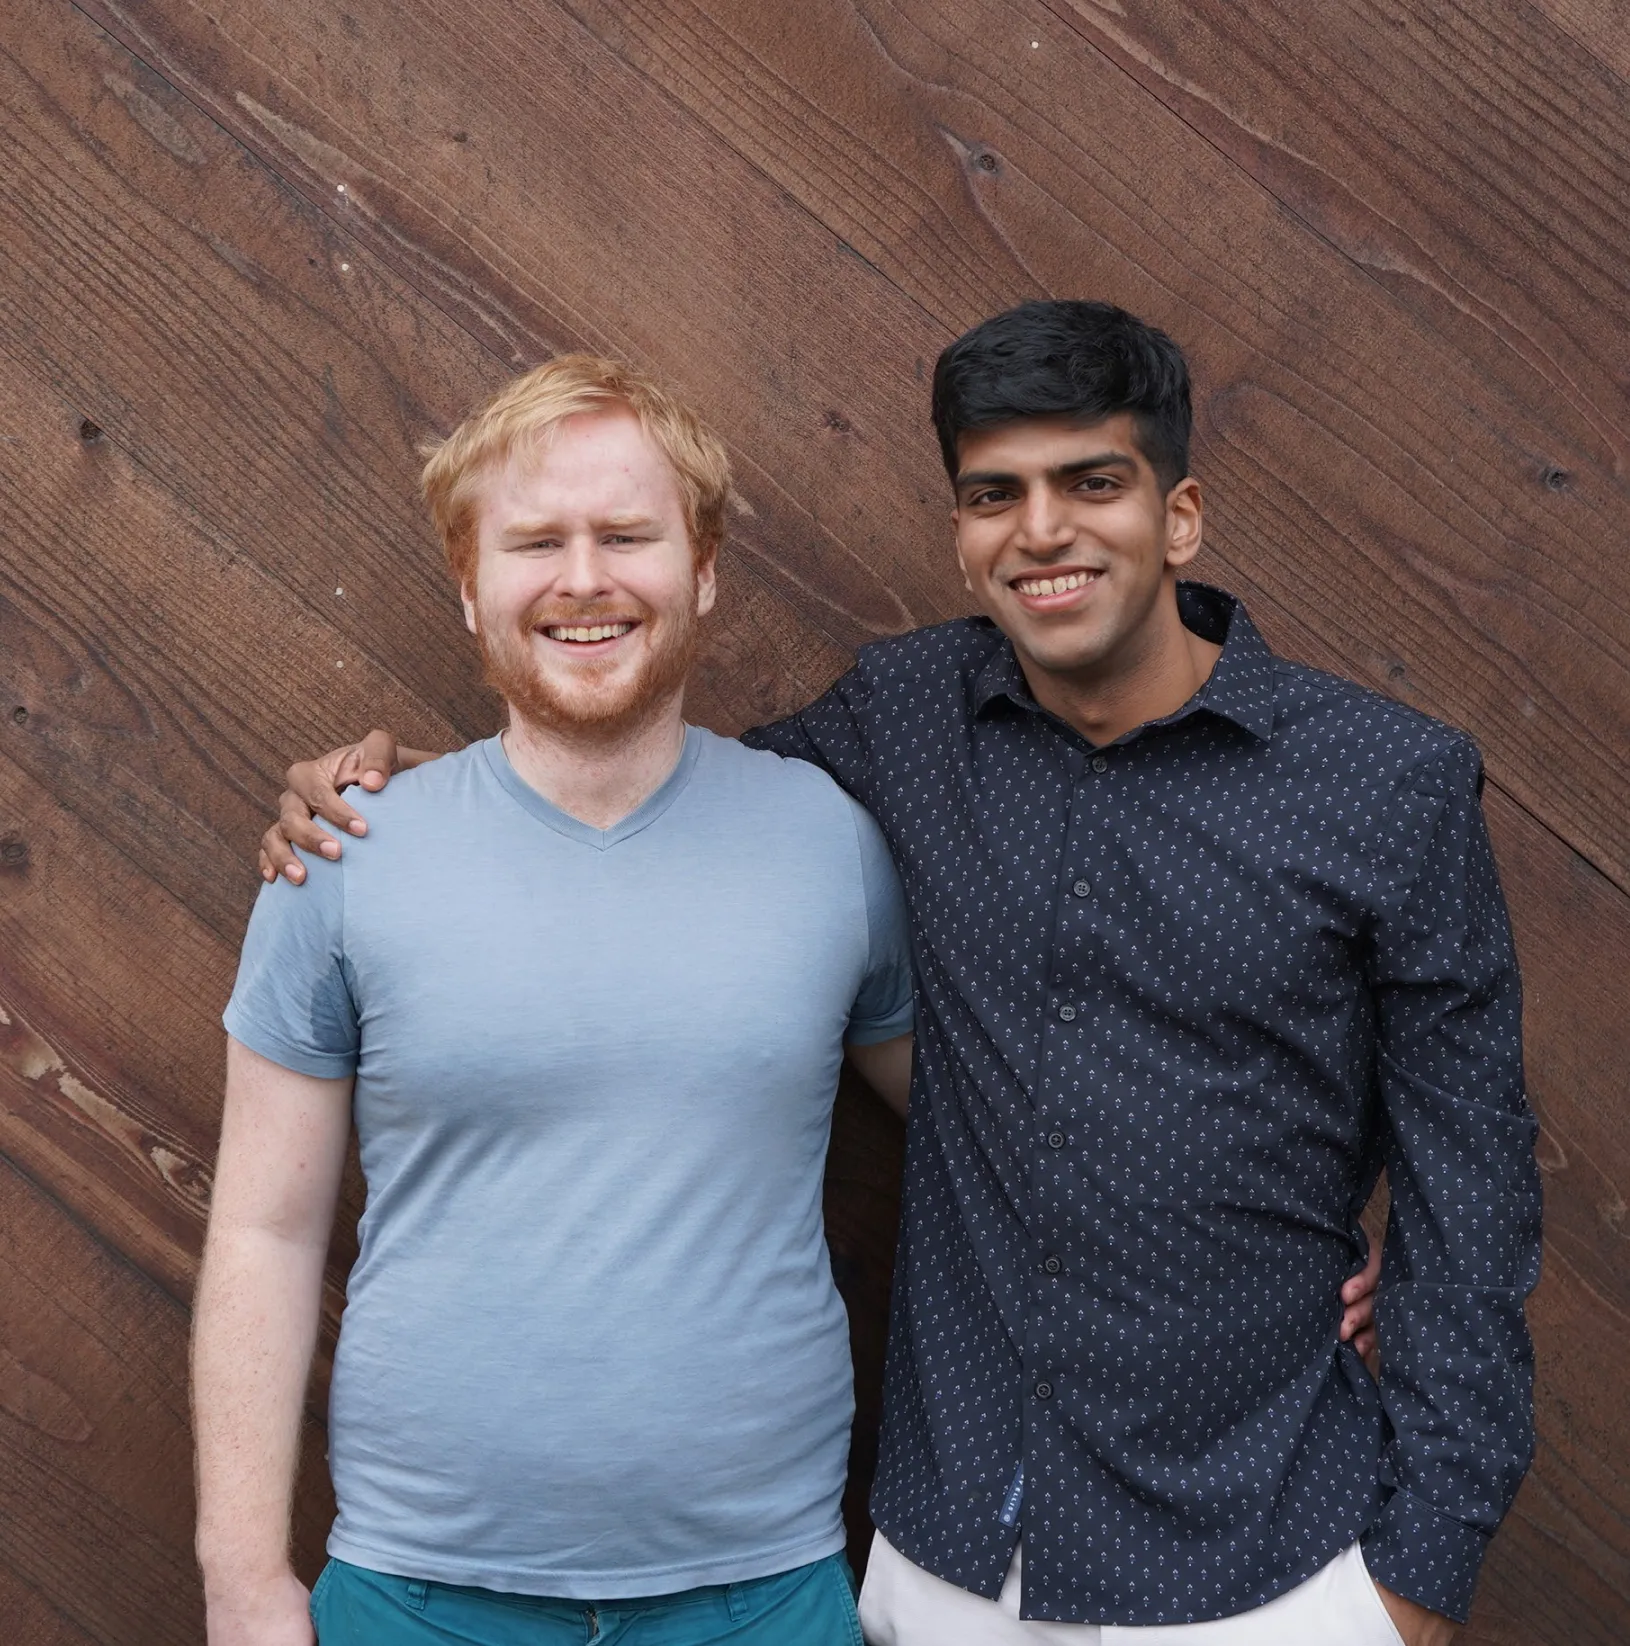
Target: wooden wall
251	250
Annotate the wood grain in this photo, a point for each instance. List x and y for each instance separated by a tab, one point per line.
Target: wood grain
254	253
1602	27
30	1618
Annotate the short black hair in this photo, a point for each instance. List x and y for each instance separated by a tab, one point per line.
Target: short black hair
1066	358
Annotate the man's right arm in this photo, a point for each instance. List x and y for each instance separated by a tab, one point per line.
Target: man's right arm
831	733
283	1138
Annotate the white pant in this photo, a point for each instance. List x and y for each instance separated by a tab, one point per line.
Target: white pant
902	1605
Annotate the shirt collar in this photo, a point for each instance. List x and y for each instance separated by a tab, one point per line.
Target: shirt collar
1240	688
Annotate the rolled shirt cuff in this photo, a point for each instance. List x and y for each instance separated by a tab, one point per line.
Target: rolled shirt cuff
1425	1556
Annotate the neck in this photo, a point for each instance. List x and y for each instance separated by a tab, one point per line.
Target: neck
1153	674
598	774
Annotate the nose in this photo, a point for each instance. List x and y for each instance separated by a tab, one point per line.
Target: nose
582	571
1044	523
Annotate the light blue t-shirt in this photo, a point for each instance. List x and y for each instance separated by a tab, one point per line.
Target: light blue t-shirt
591	1344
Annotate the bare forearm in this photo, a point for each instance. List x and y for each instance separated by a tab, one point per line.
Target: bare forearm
256	1327
885	1066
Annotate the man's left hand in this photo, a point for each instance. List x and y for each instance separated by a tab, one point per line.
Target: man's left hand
1415	1624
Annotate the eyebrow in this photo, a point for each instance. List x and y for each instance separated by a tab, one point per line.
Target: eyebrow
612	522
1063	471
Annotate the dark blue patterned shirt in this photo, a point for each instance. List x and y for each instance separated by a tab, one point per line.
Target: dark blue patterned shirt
1178	999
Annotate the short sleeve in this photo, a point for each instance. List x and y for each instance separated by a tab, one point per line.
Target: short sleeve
883	1009
292	1002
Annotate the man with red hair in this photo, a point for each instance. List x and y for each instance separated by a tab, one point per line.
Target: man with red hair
592	1380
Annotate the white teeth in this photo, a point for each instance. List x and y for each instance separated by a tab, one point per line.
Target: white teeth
1053	585
599	631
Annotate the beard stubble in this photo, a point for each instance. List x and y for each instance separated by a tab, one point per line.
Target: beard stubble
590	705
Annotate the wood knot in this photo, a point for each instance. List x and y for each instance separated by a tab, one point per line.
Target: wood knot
987	161
19	716
89	432
837	422
13	853
1553	478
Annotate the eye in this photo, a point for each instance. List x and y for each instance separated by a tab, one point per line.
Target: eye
1096	485
988	495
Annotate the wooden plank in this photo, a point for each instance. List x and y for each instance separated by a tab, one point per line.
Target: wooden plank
30	1618
1602	27
1467	160
95	1456
1560	1569
148	671
209	324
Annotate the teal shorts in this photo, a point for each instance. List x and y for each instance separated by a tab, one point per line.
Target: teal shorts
812	1605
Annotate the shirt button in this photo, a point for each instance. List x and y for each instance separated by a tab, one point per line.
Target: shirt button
1044	1391
1066	1014
1051	1265
1082	888
1055	1140
1100	763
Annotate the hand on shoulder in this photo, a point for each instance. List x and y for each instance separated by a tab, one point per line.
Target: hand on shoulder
314	791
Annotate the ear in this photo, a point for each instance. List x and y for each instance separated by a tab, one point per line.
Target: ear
1184	519
707	582
466	595
962	565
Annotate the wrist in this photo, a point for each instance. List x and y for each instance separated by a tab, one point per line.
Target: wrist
231	1569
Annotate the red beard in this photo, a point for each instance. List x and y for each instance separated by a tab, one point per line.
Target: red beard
590	699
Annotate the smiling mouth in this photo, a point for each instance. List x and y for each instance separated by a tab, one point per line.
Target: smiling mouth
580	634
1059	583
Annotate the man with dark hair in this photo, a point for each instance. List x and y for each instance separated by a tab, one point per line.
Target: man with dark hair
1202	937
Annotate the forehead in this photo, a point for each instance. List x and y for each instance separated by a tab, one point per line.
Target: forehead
1033	445
592	464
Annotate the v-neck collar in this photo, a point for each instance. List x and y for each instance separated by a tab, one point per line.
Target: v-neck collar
546	811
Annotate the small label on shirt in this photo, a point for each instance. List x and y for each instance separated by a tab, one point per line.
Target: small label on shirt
1015	1496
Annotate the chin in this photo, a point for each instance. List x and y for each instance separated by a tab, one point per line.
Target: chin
1064	653
569	705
